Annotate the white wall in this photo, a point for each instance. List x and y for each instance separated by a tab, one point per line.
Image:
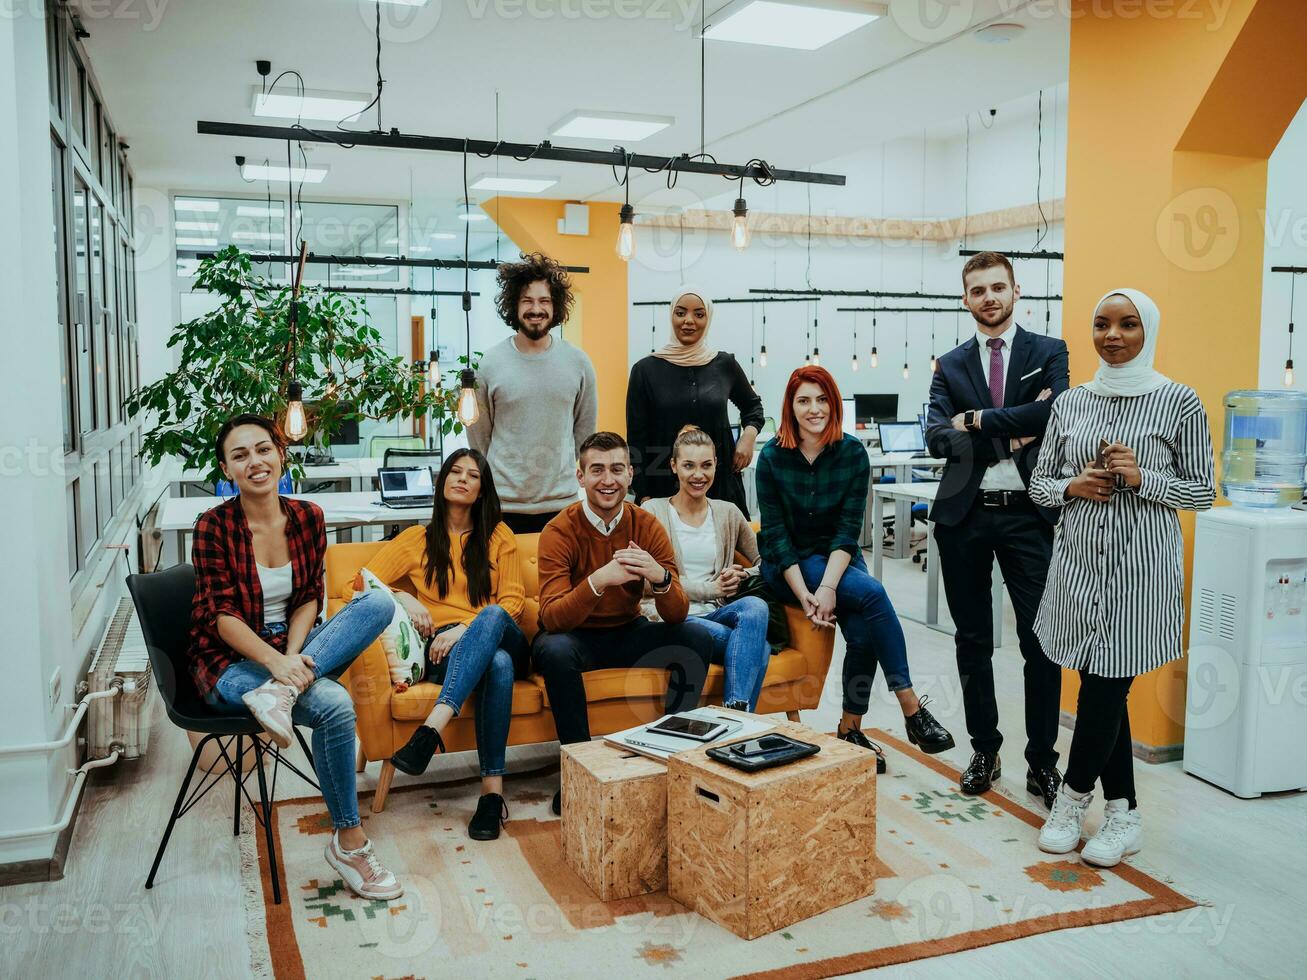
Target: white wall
1003	172
34	575
1286	244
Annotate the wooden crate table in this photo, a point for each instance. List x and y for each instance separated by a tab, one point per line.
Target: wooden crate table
755	852
614	819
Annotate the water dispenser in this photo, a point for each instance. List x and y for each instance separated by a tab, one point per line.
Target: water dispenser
1265	460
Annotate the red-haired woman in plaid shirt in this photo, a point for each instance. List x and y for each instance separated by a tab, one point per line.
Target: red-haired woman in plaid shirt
253	645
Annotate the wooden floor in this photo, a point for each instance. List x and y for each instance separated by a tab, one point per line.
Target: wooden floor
1245	859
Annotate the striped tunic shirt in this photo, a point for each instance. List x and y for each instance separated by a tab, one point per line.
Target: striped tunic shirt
1114	601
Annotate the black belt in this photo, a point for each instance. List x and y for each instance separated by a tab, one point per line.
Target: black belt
1003	498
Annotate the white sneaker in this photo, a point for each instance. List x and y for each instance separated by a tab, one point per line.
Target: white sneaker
1065	824
365	876
270	703
1119	836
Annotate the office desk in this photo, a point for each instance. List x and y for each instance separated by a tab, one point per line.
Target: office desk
341	511
902	464
908	494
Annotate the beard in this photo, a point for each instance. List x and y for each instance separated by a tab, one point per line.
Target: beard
994	317
535	331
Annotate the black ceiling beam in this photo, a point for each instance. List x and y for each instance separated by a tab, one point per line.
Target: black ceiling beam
901	309
1296	270
544	150
880	294
403	261
1050	256
397	291
732	299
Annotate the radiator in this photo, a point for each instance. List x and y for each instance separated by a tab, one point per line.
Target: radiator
124	720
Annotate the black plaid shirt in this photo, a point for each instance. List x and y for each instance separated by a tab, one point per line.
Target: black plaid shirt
227	579
811	508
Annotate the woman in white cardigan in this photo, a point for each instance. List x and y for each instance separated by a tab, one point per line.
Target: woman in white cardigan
705	536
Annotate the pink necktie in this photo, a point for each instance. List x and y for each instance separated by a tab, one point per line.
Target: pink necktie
995	345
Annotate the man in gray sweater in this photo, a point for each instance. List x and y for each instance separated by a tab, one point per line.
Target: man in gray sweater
537	396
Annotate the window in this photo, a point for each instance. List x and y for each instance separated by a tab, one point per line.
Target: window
82	316
77	95
99	317
53	64
93	133
61	301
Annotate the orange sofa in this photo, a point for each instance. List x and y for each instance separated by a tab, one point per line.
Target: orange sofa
618	698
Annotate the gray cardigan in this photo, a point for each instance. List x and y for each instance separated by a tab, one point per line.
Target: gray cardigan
734	533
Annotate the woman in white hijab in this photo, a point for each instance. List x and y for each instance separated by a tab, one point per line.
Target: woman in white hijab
689	383
1120	456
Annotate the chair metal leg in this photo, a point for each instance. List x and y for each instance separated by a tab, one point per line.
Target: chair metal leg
266	806
176	809
236	789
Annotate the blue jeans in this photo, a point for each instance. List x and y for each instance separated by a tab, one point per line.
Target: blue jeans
483	659
325	706
739	632
866	617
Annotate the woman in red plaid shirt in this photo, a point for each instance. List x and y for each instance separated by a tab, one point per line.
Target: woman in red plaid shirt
253	644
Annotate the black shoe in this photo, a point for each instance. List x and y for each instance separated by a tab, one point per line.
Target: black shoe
925	732
737	706
1044	783
492	811
558	803
854	736
416	754
979	776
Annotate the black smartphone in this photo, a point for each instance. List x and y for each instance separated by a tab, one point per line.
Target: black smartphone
1100	461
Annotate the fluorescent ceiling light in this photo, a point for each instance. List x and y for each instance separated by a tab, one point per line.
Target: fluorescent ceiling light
623	127
442	236
197	243
326	106
277	171
466	212
196	225
248	211
256	236
786	25
523	185
419	249
404	3
352	270
193	204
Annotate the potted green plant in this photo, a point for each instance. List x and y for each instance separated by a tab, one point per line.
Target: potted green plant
242	357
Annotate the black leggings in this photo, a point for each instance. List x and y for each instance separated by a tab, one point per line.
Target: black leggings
1100	747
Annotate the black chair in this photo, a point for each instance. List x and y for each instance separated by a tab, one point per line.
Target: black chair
431	458
163	608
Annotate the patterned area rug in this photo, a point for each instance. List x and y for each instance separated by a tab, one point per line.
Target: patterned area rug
957	872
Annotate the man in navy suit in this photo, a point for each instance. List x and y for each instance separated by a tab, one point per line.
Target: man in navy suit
990	400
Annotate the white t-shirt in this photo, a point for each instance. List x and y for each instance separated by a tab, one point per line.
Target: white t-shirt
698	554
277	585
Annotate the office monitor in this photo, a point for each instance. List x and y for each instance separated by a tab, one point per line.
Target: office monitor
871	409
901	437
850	416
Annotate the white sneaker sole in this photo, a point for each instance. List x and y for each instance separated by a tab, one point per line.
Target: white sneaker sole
282	736
1102	862
378	894
1048	848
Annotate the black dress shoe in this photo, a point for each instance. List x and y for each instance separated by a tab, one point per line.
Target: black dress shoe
925	732
979	776
1044	783
492	811
737	706
416	754
854	736
558	803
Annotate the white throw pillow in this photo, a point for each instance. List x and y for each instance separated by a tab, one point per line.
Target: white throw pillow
404	648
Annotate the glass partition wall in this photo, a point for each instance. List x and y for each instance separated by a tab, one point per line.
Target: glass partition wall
95	283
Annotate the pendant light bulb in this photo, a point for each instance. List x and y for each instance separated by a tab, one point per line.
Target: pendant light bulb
816	357
330	390
468	410
905	371
740	225
297	426
1288	372
855	362
875	358
762	356
934	364
626	233
433	369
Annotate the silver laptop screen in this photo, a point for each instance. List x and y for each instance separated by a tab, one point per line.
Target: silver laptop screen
399	484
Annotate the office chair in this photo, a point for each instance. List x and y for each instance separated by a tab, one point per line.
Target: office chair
377	445
431	458
163	608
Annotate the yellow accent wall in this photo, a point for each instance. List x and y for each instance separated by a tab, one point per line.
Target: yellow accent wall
598	324
1171	120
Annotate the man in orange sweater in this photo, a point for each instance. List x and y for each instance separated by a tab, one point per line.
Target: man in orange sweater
595	558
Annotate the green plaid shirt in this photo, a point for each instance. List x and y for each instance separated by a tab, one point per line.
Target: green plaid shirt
811	508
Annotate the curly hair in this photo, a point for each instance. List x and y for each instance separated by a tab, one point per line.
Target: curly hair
516	276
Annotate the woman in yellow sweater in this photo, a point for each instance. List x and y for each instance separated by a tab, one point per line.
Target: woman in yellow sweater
463	569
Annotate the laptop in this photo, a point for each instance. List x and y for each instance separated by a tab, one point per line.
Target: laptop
406	486
902	437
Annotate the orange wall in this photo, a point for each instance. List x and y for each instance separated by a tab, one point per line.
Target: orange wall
598	324
1170	123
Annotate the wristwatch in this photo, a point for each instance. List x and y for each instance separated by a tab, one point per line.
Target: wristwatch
666	583
971	421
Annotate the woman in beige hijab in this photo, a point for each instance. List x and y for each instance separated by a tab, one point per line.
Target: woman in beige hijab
689	383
